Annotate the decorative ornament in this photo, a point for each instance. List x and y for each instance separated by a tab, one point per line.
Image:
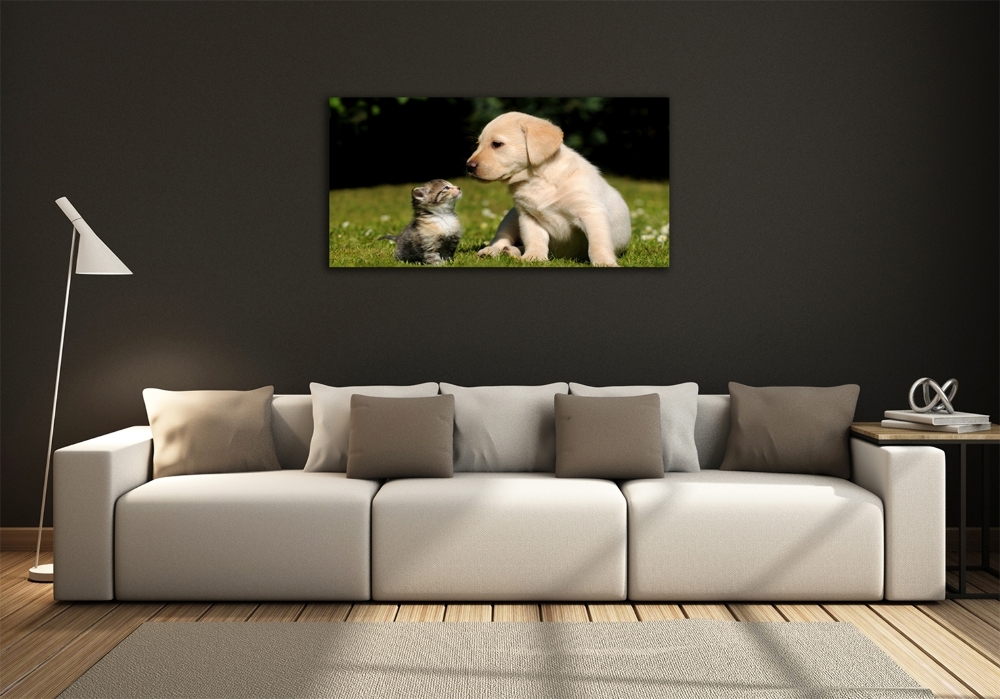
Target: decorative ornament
944	395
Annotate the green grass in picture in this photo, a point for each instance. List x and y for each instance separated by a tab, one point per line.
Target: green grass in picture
359	216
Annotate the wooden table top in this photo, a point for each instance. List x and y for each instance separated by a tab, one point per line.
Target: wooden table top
883	435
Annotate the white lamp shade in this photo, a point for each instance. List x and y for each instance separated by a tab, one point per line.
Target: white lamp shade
94	257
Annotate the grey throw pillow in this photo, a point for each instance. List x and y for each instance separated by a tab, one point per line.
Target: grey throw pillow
210	431
790	429
331	407
678	414
505	428
401	437
617	438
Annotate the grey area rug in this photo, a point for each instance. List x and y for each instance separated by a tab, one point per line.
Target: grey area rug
690	658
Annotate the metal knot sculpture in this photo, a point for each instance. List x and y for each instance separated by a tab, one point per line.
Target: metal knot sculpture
943	396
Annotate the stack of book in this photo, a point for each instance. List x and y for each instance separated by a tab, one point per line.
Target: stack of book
936	422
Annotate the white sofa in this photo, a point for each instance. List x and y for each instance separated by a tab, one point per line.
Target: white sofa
298	535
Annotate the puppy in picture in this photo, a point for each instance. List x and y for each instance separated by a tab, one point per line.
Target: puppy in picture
562	204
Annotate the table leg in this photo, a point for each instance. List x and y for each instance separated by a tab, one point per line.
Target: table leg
985	544
961	592
961	525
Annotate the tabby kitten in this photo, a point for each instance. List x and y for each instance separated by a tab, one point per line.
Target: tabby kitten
433	234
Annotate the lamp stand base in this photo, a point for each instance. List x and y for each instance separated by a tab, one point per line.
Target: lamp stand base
43	573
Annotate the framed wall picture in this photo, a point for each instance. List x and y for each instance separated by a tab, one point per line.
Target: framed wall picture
499	182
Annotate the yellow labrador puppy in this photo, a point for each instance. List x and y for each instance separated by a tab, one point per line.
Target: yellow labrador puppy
562	205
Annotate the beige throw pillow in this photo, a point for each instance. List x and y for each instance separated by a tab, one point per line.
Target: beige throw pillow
210	431
401	437
790	429
617	438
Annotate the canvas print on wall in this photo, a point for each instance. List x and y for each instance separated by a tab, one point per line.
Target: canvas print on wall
499	182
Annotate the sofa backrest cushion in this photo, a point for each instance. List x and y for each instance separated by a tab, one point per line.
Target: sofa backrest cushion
711	429
505	428
331	408
292	424
678	413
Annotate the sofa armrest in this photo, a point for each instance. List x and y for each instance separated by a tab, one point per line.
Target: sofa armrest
88	478
911	483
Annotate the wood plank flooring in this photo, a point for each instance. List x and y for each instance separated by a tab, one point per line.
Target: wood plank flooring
951	647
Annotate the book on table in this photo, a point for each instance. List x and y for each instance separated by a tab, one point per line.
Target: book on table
955	418
960	429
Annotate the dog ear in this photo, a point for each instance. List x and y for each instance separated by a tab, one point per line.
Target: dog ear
542	138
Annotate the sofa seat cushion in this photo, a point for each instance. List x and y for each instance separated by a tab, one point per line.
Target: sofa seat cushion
731	535
498	536
267	535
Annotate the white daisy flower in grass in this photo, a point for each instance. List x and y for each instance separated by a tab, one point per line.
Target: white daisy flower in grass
488	214
368	232
665	229
345	224
661	238
647	236
384	217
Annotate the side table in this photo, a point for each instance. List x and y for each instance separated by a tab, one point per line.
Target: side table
887	436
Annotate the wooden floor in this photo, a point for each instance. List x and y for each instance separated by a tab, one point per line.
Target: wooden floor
951	647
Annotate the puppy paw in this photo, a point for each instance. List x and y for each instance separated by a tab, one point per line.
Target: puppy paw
603	260
534	257
490	251
512	251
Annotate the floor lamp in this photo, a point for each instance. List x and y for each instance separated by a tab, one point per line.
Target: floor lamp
93	257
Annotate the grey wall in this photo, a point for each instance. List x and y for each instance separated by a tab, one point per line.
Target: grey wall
834	203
